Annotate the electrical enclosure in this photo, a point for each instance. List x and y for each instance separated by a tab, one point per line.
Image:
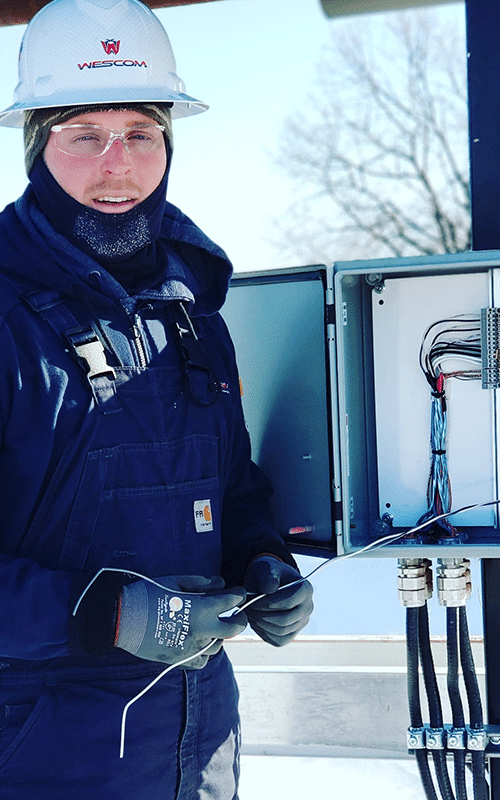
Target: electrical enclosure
338	407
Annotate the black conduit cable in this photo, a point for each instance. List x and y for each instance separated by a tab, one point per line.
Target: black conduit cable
480	786
434	702
457	709
469	672
415	709
475	706
412	626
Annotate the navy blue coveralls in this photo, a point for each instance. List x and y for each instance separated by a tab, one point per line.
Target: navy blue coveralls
112	473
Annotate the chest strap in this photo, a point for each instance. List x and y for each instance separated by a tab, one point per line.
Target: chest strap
199	380
84	342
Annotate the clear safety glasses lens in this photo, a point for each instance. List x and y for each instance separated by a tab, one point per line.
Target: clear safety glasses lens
90	141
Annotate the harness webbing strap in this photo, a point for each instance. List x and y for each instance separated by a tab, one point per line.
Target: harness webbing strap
84	342
200	382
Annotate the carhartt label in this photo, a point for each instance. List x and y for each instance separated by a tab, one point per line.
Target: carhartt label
203	516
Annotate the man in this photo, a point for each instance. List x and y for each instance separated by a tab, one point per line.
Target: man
128	497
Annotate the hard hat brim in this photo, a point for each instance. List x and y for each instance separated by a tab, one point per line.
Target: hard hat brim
183	104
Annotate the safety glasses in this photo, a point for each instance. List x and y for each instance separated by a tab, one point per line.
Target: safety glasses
91	141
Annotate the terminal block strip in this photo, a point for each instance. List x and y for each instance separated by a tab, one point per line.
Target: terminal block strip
490	348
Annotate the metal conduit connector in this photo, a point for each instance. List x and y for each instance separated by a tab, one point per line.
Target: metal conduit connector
453	581
435	738
456	738
477	739
414	581
416	738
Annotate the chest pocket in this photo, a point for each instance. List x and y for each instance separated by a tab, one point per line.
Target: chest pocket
149	507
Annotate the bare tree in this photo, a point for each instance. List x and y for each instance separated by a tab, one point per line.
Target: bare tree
378	152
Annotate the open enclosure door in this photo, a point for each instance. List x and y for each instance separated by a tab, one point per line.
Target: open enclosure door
278	322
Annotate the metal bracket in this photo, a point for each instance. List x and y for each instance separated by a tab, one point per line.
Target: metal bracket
476	739
435	739
451	739
456	738
416	739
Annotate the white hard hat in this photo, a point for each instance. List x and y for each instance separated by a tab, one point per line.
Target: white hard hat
82	52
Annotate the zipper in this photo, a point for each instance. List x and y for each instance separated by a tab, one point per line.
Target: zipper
139	344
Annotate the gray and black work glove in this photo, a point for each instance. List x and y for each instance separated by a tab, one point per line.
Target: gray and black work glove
280	615
173	622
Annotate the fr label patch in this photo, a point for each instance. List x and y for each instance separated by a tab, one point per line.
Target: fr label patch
203	516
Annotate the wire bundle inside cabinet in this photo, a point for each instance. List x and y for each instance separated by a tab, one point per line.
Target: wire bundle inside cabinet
456	340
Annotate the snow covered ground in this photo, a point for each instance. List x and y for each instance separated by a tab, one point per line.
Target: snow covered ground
296	778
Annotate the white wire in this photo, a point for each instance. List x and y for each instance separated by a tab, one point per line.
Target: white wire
161	674
150	686
124	572
371	546
158	677
437	361
392	537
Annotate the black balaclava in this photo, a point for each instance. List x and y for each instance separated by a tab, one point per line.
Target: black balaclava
125	244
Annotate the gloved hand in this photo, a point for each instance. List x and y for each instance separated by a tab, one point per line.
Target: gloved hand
171	623
278	616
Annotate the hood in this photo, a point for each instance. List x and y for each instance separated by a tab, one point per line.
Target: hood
33	251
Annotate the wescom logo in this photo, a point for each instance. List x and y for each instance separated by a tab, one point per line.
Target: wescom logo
111	46
120	62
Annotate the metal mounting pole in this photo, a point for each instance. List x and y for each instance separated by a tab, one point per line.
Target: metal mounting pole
483	49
